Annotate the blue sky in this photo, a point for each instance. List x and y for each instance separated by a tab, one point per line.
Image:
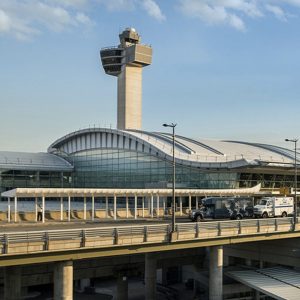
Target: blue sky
222	69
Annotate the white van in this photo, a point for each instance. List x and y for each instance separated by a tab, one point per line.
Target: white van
274	207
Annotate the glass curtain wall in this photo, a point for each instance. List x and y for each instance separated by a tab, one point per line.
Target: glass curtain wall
10	179
131	169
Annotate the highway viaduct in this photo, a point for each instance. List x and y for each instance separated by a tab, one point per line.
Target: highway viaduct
142	246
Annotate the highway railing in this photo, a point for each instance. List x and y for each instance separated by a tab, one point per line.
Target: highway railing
53	240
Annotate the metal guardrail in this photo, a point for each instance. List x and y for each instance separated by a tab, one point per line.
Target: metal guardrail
36	241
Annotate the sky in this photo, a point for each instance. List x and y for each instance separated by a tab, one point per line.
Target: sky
222	69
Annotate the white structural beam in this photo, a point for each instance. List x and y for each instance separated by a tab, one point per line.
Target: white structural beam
106	207
69	208
16	209
36	209
127	207
43	209
135	206
61	208
115	207
151	208
8	209
143	207
157	206
84	208
180	205
93	207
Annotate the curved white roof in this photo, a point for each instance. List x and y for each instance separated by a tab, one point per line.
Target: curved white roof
33	161
202	153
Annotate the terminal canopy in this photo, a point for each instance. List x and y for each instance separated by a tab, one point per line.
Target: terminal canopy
83	192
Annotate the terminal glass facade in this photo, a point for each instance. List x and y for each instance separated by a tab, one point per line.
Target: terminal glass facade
10	179
131	169
112	168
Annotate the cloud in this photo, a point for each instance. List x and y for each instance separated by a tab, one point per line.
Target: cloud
118	5
27	18
5	22
277	11
211	14
153	9
234	13
150	6
292	2
83	19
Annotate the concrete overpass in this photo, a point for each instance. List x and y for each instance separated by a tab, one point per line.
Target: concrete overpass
66	246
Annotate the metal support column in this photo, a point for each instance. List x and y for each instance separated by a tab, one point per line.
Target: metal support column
84	208
106	207
8	209
135	206
157	206
61	208
127	212
151	208
69	208
16	209
143	207
43	208
180	205
93	207
115	207
36	208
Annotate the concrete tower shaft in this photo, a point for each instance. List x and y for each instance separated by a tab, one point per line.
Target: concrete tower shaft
126	62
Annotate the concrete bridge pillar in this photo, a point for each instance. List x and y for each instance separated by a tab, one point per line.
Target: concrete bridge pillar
122	286
63	280
216	273
12	283
150	276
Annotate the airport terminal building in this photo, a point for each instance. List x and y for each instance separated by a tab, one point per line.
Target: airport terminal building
129	157
112	158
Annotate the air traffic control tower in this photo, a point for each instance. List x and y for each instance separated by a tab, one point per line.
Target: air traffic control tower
126	62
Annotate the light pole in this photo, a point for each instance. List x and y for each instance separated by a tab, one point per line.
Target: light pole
295	183
173	182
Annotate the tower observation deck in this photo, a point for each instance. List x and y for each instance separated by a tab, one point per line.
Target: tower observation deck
126	62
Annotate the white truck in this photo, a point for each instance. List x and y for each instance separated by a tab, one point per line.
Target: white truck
274	207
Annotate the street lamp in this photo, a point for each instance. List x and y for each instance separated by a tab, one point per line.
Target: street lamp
295	184
173	182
